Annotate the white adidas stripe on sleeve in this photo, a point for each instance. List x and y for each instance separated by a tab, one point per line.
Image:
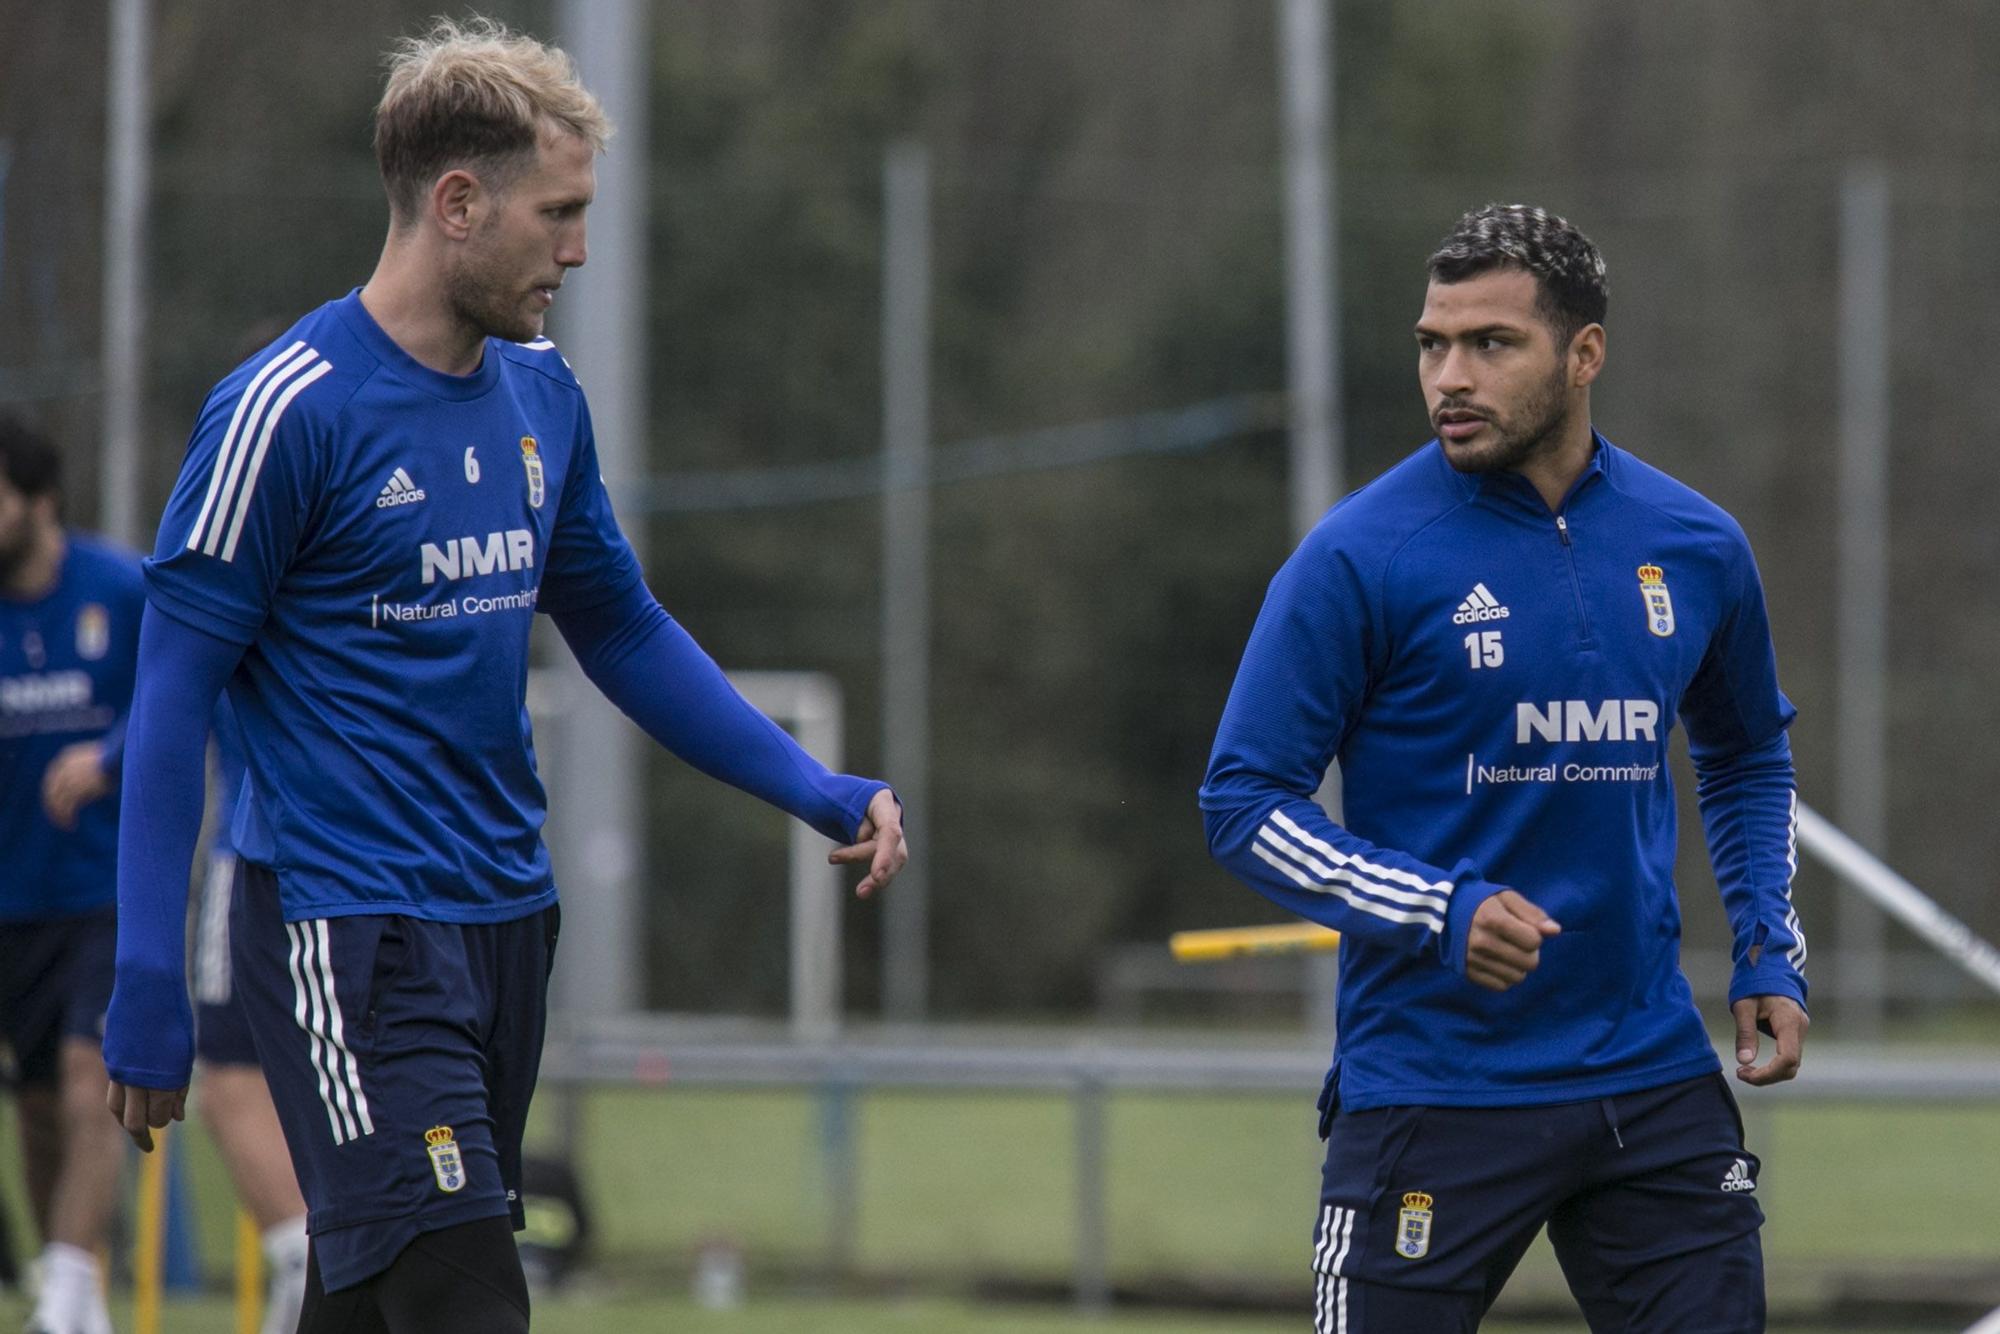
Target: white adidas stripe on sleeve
223	455
292	391
1430	920
1797	953
1339	858
219	524
1328	874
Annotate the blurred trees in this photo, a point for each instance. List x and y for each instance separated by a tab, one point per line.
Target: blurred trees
1108	240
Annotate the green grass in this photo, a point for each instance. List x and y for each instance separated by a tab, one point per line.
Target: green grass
562	1315
1217	1186
1202	1190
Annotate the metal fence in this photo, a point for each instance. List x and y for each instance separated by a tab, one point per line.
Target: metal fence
667	1053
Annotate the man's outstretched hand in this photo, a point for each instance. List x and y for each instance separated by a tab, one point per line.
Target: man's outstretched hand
1783	1019
1505	942
142	1111
879	843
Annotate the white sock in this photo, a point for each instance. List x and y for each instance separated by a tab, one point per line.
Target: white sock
72	1297
285	1258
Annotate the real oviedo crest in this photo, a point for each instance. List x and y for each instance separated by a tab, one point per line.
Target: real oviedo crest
531	459
1659	607
93	631
1413	1226
446	1165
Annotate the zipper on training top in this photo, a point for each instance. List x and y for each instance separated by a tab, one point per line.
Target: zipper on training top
1575	584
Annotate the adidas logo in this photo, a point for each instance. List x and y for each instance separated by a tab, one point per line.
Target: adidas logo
398	490
1479	605
1738	1177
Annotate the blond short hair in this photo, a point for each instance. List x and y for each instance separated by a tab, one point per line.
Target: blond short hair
474	96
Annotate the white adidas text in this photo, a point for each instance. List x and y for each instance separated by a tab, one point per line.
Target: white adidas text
1479	605
399	490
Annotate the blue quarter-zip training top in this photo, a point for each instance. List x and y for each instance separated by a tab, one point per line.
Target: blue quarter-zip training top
1499	682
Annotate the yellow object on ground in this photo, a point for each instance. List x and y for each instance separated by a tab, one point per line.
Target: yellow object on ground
1237	941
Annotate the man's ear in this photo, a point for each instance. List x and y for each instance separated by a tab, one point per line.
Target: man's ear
456	199
1586	355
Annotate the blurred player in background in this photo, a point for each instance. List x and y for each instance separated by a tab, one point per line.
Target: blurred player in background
370	513
1495	638
234	1100
69	634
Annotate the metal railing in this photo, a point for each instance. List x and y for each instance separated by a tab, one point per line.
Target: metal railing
667	1051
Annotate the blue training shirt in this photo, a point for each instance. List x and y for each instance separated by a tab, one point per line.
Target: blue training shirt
230	768
66	667
379	536
1499	682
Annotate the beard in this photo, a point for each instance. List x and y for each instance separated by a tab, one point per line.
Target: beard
1520	436
15	549
482	295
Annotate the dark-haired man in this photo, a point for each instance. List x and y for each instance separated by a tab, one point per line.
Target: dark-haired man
370	514
1495	638
69	634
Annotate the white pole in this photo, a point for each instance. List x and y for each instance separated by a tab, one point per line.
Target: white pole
809	704
595	814
1987	1325
127	172
1862	733
1305	57
1305	42
906	522
1898	897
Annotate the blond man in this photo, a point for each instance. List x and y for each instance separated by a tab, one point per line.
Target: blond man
370	512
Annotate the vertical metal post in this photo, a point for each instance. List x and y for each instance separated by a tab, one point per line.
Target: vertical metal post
1093	1254
602	318
1305	57
836	1143
906	522
6	164
816	889
1305	49
1862	743
127	184
809	704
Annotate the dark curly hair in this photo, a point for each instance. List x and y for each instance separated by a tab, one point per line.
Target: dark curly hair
30	461
1570	287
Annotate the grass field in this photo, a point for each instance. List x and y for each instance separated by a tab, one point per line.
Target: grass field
1204	1191
1222	1183
957	1192
783	1316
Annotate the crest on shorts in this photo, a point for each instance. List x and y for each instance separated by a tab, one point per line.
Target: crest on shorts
1659	607
1413	1226
93	631
448	1167
531	459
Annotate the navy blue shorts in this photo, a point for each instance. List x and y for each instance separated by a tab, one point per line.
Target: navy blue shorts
221	1029
1649	1199
401	1056
55	983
